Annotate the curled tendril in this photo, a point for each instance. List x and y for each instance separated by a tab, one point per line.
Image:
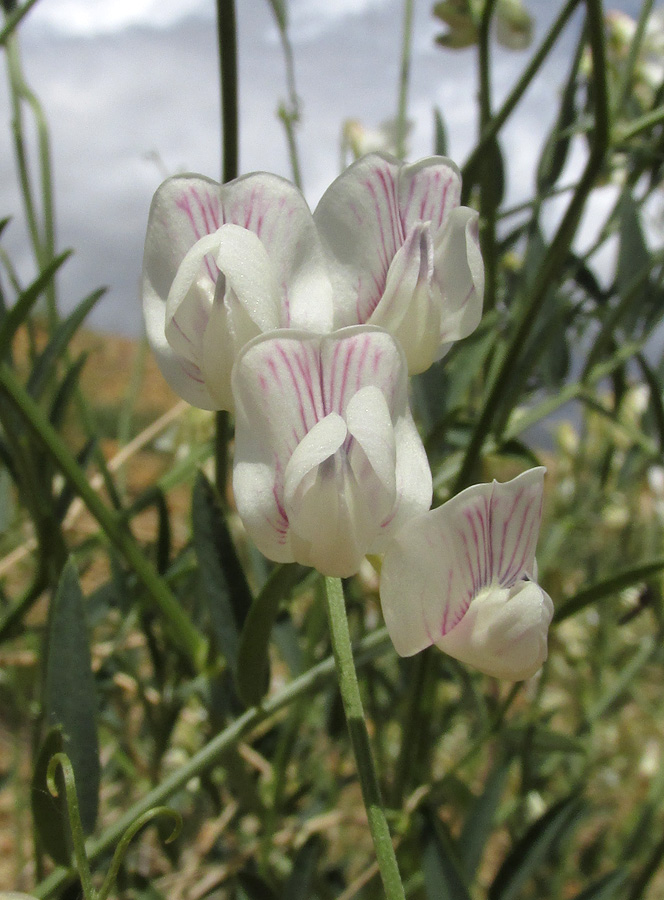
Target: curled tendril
128	837
62	761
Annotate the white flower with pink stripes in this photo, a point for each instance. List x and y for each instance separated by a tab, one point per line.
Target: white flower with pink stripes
462	577
328	462
222	264
402	253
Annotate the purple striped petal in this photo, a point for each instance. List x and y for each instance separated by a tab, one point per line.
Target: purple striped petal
474	553
361	229
321	448
429	190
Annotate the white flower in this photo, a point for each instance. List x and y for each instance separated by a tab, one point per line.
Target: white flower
402	253
461	577
222	264
328	461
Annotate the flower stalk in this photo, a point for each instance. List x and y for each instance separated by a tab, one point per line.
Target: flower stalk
359	736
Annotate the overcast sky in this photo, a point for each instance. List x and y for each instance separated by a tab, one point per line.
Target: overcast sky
130	89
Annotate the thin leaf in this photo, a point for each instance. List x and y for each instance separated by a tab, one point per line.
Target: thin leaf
69	691
66	391
40	375
253	663
618	582
479	823
604	888
300	882
441	865
534	848
20	310
222	576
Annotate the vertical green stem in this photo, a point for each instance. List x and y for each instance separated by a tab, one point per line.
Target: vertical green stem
488	198
227	40
550	267
42	234
404	78
359	736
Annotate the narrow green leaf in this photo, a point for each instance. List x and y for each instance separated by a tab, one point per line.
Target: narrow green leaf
441	865
533	849
556	147
222	576
50	813
300	882
623	579
479	822
253	664
69	691
604	888
19	311
656	394
543	740
40	375
66	390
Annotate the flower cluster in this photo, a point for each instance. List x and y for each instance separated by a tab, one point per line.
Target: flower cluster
306	326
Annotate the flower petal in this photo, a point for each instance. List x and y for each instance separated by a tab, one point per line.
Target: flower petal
278	400
246	303
407	308
459	276
438	563
361	230
362	355
429	190
278	214
504	632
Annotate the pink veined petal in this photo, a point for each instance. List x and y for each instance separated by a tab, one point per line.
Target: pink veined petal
371	430
276	211
459	276
190	300
361	229
278	399
428	191
246	304
438	563
182	375
408	308
184	209
414	486
355	357
504	632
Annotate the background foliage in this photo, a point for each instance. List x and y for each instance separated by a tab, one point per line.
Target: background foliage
141	633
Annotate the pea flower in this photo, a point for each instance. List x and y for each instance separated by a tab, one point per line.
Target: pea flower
328	461
222	264
402	253
461	577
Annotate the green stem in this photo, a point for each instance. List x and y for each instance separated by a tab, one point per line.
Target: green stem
289	113
488	198
211	754
180	627
359	737
553	259
637	126
634	49
497	122
43	238
78	838
227	40
12	21
404	78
